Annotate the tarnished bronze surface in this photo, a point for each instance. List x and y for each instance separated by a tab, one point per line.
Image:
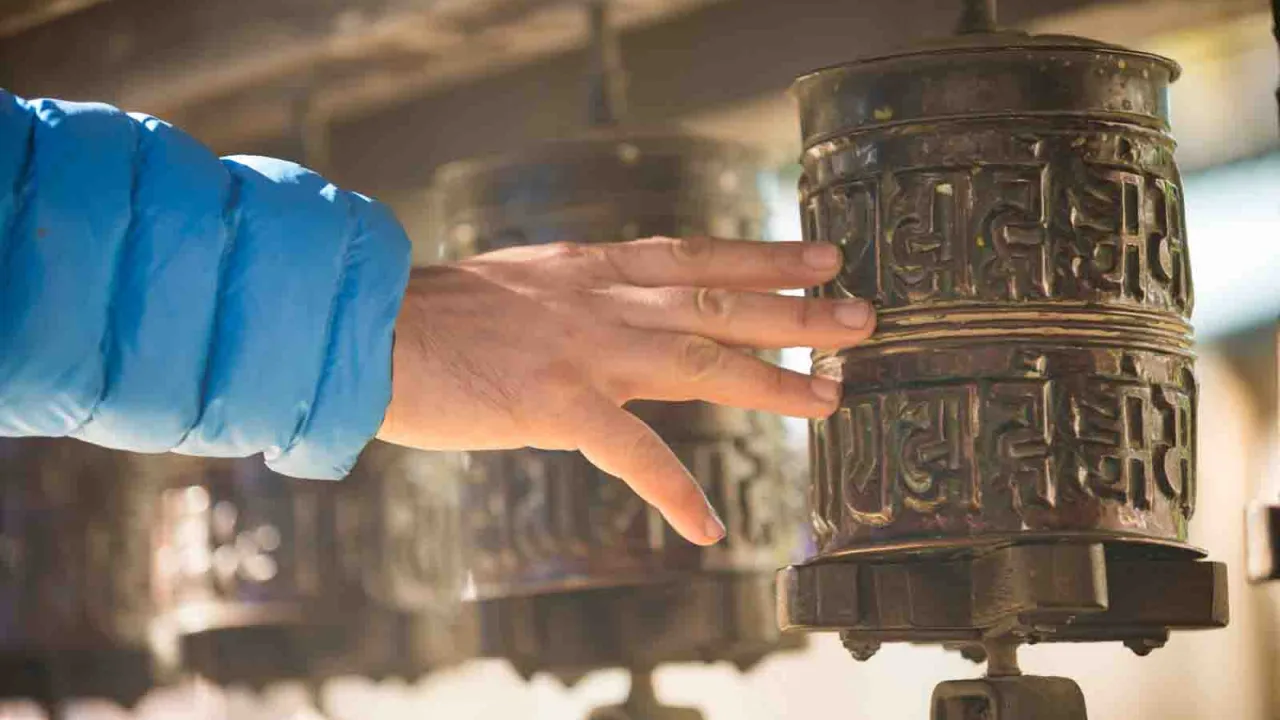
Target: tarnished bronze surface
550	521
1014	457
75	582
1012	207
572	570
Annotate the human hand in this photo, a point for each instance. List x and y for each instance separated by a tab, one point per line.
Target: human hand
541	346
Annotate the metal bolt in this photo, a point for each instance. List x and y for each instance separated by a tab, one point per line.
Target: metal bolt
1142	647
861	650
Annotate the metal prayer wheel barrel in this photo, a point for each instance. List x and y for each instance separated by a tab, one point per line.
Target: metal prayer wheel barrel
266	578
246	567
1026	411
1016	215
571	570
75	576
401	561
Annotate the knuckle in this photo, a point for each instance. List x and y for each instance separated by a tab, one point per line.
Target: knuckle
779	379
713	304
686	494
691	250
638	451
699	357
580	253
805	312
565	250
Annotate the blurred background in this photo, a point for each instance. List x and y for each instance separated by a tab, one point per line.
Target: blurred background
379	93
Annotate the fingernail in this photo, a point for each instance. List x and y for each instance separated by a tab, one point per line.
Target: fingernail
853	313
826	389
715	526
821	256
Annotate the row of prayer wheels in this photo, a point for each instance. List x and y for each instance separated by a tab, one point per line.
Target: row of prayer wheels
1013	461
169	566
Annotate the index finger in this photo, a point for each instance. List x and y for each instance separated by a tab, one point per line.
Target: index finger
714	262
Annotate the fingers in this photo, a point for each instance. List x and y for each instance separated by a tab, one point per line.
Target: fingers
748	319
676	367
620	444
703	262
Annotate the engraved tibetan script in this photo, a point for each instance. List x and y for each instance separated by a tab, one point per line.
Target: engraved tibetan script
1065	222
1030	448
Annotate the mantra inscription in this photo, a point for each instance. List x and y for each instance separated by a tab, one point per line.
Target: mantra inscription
1053	438
1004	215
1032	369
538	518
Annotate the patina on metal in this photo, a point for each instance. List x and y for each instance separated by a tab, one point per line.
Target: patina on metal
75	591
572	571
1014	457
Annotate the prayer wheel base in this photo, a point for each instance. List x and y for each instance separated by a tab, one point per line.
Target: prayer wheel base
1051	592
708	618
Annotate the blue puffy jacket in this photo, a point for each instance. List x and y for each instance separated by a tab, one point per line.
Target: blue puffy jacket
155	298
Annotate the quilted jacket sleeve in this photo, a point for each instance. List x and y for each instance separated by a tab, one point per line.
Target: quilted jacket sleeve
155	298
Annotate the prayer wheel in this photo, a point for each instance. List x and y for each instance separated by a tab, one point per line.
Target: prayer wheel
246	568
75	589
264	578
1014	456
571	570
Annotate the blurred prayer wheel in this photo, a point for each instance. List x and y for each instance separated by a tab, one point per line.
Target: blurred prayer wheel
572	571
75	575
265	578
402	565
246	566
1014	457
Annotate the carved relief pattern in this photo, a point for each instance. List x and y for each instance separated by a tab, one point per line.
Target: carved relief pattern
1084	216
1094	439
962	418
535	518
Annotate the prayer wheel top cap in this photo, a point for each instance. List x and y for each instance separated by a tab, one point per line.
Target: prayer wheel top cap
608	159
984	75
606	184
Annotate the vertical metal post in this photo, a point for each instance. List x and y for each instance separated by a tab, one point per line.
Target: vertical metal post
312	128
606	78
979	16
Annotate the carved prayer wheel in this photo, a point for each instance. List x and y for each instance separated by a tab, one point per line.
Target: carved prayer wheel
401	562
245	566
75	581
1014	457
265	578
572	571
